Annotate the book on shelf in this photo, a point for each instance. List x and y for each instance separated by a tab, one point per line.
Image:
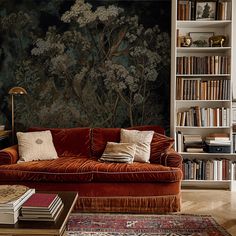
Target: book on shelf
218	142
180	143
204	117
234	143
11	199
199	89
186	10
193	143
218	139
212	65
192	138
195	149
224	10
218	135
206	169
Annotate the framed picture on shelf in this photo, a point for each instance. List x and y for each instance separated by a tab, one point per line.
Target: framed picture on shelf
200	39
206	10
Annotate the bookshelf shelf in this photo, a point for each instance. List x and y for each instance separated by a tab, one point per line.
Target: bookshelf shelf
202	85
209	184
199	101
203	24
202	127
202	75
229	156
203	49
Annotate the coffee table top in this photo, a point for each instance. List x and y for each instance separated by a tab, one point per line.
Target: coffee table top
44	227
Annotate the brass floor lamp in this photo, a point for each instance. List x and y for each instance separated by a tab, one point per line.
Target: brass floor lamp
13	92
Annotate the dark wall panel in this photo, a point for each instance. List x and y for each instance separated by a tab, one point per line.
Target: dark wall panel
93	63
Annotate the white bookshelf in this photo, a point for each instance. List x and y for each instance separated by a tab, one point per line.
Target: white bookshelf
219	27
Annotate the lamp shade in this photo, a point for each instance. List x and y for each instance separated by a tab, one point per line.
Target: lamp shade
17	90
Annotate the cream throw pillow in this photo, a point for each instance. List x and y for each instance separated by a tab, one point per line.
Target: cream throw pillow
35	146
119	152
143	141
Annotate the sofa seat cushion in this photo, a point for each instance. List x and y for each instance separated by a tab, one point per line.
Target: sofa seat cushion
85	170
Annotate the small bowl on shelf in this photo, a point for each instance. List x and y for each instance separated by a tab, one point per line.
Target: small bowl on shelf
2	127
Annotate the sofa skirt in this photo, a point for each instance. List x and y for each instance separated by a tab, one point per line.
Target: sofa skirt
145	204
119	197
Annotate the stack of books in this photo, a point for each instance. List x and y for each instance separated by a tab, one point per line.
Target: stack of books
218	143
11	199
193	143
42	207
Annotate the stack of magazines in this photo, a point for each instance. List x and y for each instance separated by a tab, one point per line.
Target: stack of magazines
11	199
42	207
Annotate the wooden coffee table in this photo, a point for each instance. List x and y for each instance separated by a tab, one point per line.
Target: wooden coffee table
43	227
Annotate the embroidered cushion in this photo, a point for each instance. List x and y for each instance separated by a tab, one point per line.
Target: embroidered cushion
36	146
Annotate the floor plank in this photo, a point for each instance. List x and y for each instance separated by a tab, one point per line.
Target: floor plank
221	204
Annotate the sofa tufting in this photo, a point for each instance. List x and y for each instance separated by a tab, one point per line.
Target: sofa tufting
102	187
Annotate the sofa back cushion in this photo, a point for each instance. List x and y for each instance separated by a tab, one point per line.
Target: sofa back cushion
69	141
160	144
100	137
155	128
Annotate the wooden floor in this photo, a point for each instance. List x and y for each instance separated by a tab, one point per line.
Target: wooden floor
221	204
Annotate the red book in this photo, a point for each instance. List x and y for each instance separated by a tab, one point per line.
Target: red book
40	200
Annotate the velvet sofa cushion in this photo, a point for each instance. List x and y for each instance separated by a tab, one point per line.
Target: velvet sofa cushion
155	128
86	170
160	144
69	141
100	137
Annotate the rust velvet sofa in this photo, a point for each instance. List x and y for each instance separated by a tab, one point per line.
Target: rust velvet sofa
102	187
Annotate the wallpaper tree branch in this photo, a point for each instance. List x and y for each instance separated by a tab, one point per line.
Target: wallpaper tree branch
95	63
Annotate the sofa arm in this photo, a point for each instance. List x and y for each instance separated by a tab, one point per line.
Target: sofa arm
171	158
9	155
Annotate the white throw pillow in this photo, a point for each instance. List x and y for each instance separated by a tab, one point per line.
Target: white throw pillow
119	152
143	141
35	146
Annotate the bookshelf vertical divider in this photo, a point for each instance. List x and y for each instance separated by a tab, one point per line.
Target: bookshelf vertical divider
202	89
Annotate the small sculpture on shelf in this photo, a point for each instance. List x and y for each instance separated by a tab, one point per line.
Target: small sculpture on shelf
217	41
186	41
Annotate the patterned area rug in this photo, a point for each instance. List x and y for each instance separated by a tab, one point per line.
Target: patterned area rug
142	225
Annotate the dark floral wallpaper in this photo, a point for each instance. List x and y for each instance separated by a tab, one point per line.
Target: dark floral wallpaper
85	63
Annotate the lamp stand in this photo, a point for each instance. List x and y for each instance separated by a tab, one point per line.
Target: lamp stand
12	119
